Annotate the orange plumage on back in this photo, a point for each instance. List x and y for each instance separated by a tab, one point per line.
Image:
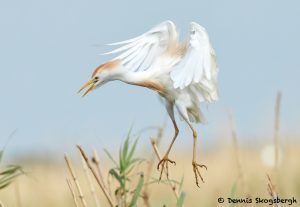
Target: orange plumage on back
152	85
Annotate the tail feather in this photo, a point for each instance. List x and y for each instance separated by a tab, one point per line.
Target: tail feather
195	115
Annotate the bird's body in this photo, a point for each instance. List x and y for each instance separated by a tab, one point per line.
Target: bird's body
183	73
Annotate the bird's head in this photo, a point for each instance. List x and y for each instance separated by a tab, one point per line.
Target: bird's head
101	75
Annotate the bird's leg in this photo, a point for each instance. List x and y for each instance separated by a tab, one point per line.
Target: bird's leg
164	162
196	166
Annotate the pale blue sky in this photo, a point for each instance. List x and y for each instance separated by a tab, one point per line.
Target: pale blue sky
48	49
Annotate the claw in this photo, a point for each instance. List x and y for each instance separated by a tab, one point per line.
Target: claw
164	164
197	172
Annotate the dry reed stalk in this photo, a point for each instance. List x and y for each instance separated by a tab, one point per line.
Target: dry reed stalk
89	179
272	191
157	153
86	159
96	161
237	151
72	172
146	193
72	192
276	129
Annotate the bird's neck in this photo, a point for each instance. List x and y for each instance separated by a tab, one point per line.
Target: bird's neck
132	77
142	79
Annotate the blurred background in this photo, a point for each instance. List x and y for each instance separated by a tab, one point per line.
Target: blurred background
48	49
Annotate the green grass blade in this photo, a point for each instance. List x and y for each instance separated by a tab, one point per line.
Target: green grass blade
117	177
7	179
180	200
10	170
1	155
124	152
181	184
233	192
125	147
6	143
110	157
121	161
132	150
136	160
137	191
3	185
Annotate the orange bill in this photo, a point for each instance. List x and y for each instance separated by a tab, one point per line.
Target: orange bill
90	83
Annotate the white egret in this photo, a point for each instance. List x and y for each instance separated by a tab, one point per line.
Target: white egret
182	73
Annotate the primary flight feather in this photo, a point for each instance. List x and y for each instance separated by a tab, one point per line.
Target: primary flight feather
183	73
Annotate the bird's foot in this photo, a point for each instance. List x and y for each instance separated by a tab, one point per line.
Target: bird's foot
197	173
164	163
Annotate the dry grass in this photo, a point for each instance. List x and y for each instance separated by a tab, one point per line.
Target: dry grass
47	185
74	177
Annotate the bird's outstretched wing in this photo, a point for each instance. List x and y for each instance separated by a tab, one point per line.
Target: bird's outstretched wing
198	67
138	54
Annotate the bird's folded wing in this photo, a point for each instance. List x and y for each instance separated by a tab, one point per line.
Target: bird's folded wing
198	66
138	54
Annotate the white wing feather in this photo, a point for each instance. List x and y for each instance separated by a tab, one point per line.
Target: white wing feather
198	68
139	53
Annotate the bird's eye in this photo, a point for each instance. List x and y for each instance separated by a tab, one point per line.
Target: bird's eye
193	32
96	78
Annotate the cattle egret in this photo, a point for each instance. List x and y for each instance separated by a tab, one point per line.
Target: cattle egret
182	73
